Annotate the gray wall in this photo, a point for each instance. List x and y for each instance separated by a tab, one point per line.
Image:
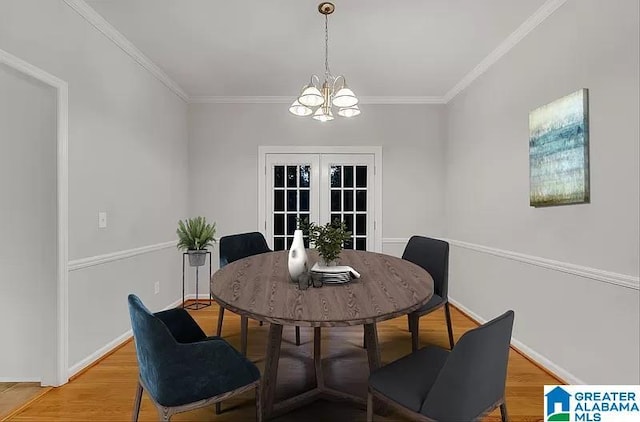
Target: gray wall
127	156
223	157
587	327
28	217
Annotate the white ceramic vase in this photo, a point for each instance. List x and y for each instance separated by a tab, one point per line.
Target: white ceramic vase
297	257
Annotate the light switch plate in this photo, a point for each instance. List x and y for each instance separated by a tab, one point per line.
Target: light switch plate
102	220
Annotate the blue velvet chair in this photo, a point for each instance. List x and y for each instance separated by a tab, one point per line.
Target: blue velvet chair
435	384
233	248
181	368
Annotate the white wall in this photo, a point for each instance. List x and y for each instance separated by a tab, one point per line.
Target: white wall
223	152
127	156
28	218
588	328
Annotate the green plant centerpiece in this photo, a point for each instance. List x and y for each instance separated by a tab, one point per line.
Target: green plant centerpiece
195	235
328	239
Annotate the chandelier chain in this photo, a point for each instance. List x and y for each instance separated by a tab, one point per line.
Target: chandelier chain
326	47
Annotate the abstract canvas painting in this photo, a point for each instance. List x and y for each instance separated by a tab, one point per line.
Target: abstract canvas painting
559	151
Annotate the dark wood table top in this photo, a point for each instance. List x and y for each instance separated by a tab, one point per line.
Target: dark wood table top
259	287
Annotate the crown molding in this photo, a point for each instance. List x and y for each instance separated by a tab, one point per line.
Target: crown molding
95	19
288	100
216	99
505	46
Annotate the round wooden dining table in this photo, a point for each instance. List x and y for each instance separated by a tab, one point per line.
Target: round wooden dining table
259	287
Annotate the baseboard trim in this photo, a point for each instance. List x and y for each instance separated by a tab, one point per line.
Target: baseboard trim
91	261
556	371
96	357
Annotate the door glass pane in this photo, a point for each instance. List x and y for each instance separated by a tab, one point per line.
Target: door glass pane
348	220
336	176
278	243
291	223
336	200
361	244
361	224
335	217
348	200
361	200
361	176
348	176
305	176
289	242
348	244
278	200
278	176
278	224
292	176
292	200
304	200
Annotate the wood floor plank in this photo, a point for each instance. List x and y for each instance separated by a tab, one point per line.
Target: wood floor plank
106	391
13	395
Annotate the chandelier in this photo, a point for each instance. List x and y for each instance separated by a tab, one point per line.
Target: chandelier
318	100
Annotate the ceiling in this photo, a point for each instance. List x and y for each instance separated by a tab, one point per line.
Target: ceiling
270	48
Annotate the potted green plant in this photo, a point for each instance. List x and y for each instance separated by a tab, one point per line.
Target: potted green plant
195	235
328	239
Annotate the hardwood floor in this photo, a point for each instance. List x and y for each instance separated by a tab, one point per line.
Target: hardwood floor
105	392
15	394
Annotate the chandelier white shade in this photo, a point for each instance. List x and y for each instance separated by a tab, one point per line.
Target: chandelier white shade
299	109
332	93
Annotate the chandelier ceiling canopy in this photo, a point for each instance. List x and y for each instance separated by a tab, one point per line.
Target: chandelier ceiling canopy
318	100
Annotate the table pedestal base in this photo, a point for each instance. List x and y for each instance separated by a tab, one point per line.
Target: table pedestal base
321	391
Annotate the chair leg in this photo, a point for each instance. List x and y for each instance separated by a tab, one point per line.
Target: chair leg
369	407
244	326
258	404
136	403
415	331
218	408
364	341
220	318
261	323
447	312
164	413
409	323
297	336
503	412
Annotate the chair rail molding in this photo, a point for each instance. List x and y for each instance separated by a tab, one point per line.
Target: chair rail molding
622	280
60	324
91	261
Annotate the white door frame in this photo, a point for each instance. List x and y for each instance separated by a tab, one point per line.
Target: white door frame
303	149
55	366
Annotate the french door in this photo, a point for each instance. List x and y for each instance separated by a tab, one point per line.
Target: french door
321	187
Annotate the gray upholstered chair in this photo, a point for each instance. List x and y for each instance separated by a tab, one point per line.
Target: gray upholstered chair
435	384
433	256
181	368
233	248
